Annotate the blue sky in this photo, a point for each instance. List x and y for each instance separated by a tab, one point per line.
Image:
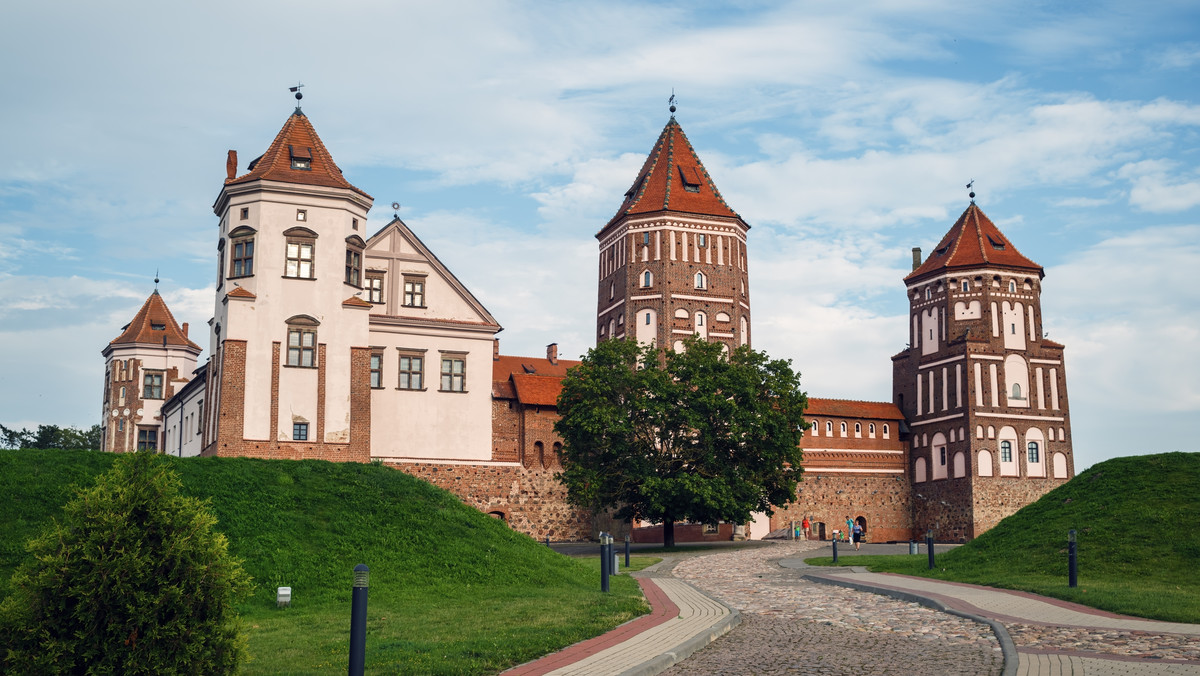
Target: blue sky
509	131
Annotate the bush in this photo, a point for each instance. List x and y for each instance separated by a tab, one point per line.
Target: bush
133	580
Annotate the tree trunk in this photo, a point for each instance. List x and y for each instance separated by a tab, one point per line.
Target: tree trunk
668	532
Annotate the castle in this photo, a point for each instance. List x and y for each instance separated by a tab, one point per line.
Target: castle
327	342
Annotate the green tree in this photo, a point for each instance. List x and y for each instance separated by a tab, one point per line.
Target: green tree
133	580
695	435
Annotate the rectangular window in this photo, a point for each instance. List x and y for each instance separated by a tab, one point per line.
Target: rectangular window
375	288
377	371
147	440
299	431
411	372
1033	452
353	267
302	347
245	213
152	386
243	258
453	374
299	259
301	215
414	292
701	240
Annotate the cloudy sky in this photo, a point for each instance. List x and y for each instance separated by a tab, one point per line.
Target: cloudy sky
844	133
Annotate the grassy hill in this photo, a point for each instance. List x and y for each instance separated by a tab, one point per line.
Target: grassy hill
1138	541
451	590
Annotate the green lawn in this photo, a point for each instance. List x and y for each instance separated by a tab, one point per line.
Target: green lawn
452	590
1138	544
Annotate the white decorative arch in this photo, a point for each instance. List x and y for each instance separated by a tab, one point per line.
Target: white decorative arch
678	347
722	316
1013	326
985	463
972	310
681	313
940	461
1009	465
701	280
1016	381
700	325
920	471
1060	466
929	331
1035	468
960	464
745	332
646	326
979	431
816	428
646	279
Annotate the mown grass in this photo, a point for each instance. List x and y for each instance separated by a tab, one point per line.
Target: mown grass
1138	543
452	591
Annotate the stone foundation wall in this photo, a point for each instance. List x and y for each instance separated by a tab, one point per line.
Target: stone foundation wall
884	501
998	497
945	507
532	502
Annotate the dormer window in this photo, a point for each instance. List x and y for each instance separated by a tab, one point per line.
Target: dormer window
301	158
158	327
997	244
690	178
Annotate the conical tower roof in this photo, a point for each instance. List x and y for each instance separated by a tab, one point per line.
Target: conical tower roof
673	179
974	242
152	324
297	140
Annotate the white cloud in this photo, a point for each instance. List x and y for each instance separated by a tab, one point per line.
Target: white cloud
1157	186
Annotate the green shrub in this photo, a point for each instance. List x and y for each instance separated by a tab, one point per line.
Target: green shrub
133	580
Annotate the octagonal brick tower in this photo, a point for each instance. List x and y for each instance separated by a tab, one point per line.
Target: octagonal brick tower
673	258
984	393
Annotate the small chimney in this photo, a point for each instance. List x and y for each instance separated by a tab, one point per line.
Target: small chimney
495	349
231	165
552	353
185	335
916	257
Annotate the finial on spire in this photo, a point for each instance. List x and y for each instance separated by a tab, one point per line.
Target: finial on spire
396	209
155	280
296	90
672	102
972	193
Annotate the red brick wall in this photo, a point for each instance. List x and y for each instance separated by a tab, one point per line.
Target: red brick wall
533	502
685	532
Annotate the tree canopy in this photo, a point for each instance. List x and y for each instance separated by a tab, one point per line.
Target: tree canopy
50	436
134	579
696	435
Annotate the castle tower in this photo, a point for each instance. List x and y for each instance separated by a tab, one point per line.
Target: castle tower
673	258
983	391
143	367
290	370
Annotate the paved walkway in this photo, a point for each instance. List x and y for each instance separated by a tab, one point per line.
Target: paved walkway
797	619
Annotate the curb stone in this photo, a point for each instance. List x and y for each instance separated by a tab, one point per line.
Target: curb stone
1007	647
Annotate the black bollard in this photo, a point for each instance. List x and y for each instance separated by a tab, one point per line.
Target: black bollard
358	620
835	550
605	560
626	552
929	546
547	540
1072	563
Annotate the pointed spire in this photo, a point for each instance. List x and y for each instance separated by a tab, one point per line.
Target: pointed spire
297	155
154	324
974	242
673	179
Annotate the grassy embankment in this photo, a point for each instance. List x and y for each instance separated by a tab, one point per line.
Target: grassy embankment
451	590
1136	521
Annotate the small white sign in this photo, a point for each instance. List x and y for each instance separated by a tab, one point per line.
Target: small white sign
283	597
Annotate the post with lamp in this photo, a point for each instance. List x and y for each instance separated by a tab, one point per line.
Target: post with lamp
358	620
929	546
1072	563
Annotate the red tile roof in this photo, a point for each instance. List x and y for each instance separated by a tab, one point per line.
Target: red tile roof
240	292
529	380
355	301
673	179
974	242
297	139
142	329
847	408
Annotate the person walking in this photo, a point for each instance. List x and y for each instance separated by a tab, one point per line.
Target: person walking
804	525
849	528
857	531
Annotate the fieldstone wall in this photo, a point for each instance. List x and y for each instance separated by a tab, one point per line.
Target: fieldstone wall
883	500
999	497
533	502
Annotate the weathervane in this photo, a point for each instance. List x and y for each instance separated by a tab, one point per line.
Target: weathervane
155	280
296	90
672	101
396	209
972	193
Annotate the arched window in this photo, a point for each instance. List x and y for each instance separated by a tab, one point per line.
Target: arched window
928	293
1012	286
966	286
1033	452
701	281
843	429
858	428
871	429
828	427
885	431
816	428
1005	451
1016	391
647	279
